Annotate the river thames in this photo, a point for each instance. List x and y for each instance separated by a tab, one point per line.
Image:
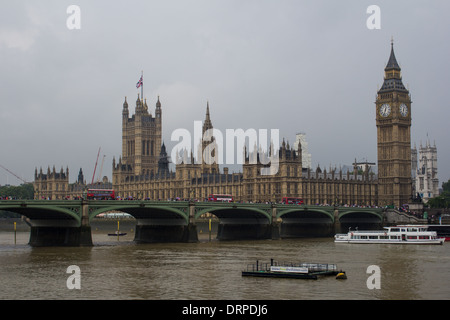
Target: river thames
119	268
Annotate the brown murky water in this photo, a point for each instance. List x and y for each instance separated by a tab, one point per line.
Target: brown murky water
118	268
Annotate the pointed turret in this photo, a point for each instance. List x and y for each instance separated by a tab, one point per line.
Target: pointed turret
138	101
125	104
80	179
392	63
207	124
139	106
299	150
392	75
158	110
208	154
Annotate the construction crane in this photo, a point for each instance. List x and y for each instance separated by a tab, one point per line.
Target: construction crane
15	175
95	168
101	169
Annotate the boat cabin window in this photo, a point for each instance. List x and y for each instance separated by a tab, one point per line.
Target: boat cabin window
395	229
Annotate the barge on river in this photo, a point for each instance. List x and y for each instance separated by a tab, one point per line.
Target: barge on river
293	271
403	234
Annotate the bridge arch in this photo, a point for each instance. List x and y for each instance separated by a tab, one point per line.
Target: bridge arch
238	221
141	210
53	223
305	221
360	218
371	213
45	211
303	211
223	212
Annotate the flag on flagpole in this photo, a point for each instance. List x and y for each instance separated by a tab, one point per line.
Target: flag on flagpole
139	83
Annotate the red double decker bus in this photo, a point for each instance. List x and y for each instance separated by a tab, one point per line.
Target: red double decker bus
291	200
101	194
220	197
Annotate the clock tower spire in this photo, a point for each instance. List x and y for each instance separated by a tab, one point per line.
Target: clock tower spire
393	121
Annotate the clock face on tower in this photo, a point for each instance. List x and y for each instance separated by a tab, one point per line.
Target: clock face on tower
385	110
403	110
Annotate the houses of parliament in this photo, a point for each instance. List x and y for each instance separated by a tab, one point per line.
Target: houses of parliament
142	171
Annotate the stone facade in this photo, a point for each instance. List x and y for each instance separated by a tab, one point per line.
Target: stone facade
55	185
51	186
196	181
142	171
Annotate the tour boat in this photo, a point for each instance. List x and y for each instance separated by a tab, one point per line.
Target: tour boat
403	234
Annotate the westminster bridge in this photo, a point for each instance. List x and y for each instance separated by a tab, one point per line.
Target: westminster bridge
67	222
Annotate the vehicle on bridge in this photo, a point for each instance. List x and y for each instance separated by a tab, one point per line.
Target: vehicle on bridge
101	194
220	198
291	200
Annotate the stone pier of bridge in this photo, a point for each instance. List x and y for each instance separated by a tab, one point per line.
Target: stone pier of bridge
62	232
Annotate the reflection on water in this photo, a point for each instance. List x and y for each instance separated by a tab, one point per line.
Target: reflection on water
118	268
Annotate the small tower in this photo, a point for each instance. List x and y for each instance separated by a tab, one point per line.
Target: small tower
158	112
141	139
209	149
163	162
80	179
426	178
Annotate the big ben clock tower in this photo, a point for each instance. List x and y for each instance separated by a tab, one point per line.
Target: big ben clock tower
393	120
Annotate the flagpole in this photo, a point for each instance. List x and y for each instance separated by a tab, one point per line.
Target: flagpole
142	87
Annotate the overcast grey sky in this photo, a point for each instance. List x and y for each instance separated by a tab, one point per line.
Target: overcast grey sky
297	66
